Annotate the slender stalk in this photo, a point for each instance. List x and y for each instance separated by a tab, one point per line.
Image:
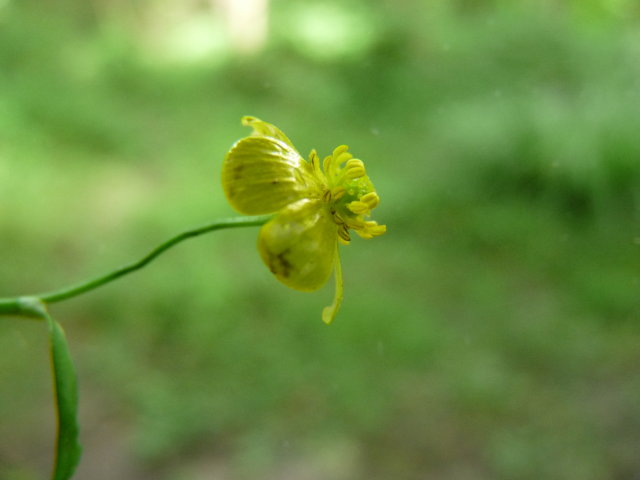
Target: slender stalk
30	307
22	305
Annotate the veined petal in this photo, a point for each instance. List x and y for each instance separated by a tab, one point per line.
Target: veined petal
265	129
264	174
300	245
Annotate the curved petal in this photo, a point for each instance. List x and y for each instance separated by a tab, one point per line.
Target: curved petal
329	313
265	129
263	174
300	245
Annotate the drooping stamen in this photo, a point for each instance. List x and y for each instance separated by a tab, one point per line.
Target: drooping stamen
338	218
371	229
343	233
358	207
376	230
371	199
366	229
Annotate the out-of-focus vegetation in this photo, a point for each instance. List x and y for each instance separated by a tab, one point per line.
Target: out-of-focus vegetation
491	333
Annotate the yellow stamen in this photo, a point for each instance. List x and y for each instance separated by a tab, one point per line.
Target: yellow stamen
371	199
364	234
327	165
378	230
343	157
337	193
368	229
374	229
354	169
315	164
343	233
315	160
333	161
340	149
359	208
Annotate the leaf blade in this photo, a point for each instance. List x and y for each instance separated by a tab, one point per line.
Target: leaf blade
68	448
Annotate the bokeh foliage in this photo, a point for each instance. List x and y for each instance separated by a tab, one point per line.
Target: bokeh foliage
492	333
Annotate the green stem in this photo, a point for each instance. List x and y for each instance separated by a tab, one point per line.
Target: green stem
23	305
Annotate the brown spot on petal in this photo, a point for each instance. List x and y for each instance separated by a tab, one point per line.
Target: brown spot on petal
279	264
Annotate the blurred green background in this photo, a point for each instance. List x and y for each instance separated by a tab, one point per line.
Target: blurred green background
492	333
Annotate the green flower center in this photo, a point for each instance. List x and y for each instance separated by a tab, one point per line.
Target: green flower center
349	193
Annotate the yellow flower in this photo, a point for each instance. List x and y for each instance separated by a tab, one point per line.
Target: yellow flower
316	205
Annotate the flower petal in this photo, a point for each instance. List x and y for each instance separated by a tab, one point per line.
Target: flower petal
265	129
329	313
300	245
264	174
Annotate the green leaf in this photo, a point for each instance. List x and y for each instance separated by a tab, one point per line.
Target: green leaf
68	449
